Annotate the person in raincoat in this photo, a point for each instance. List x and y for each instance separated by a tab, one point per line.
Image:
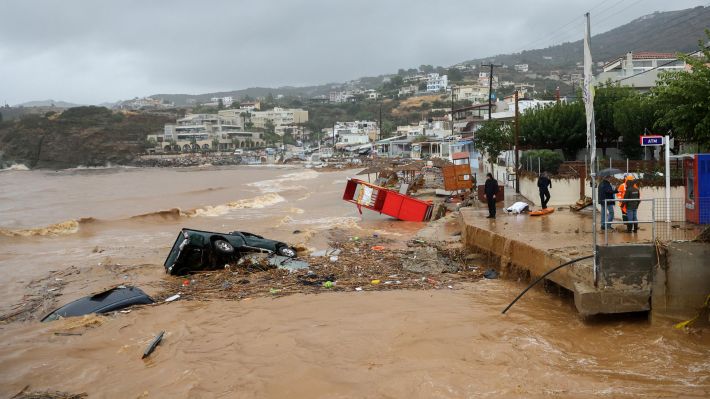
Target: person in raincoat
632	193
620	192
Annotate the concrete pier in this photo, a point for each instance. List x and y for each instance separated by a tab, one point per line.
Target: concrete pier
534	245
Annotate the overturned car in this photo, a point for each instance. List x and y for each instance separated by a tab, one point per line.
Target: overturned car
196	250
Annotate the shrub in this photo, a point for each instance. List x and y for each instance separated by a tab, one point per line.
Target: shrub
550	160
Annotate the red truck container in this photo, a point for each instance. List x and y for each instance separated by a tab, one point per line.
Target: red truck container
384	200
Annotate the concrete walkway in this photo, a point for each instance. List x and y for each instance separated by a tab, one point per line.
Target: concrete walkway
535	244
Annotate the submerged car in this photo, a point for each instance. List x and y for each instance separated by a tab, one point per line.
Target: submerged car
196	250
107	301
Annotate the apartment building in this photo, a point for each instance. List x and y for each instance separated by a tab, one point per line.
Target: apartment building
473	93
436	83
202	131
279	117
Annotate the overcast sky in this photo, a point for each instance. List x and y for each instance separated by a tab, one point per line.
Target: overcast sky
92	51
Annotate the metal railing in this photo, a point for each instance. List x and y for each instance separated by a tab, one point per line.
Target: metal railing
607	225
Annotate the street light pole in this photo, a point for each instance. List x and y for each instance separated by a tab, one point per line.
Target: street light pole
490	87
515	147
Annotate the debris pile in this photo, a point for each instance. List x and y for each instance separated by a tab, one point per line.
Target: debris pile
350	265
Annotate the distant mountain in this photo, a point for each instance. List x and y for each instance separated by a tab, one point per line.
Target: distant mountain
48	103
671	31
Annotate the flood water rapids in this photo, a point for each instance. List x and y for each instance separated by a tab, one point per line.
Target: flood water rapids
93	228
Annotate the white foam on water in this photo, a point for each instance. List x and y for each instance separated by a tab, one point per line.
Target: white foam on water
281	183
15	166
259	202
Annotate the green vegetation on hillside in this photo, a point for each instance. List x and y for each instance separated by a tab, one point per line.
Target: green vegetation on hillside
90	136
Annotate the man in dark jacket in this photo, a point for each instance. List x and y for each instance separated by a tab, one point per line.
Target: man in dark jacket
632	193
491	190
606	192
543	182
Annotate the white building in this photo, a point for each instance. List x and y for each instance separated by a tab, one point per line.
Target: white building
279	117
340	96
628	70
473	93
203	131
436	83
438	129
226	101
521	67
408	90
356	132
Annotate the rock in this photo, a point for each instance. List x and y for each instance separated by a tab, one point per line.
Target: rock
428	261
490	274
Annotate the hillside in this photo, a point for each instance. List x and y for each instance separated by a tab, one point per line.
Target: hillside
89	136
661	31
672	31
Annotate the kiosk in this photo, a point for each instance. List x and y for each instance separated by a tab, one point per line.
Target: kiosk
697	188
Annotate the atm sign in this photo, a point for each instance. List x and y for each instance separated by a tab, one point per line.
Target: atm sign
651	140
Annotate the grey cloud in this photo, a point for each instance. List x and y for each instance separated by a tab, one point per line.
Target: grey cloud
92	51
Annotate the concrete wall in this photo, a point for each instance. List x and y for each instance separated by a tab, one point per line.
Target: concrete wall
682	282
563	191
644	211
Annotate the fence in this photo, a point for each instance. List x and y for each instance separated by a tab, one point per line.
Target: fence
667	218
627	223
670	218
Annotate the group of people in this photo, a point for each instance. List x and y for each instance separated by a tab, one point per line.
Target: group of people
491	191
627	190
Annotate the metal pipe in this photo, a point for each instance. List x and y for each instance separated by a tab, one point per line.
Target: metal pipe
543	276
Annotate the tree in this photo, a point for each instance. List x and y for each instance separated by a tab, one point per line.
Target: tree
215	144
426	68
270	135
682	99
492	138
150	143
560	126
605	102
0	117
633	116
455	75
220	104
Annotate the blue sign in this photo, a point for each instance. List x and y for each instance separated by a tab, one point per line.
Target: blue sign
651	140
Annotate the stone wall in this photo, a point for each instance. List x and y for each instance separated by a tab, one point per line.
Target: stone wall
681	282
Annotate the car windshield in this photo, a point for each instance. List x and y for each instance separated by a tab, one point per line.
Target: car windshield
175	251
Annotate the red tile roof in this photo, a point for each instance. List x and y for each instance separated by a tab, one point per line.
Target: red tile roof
651	55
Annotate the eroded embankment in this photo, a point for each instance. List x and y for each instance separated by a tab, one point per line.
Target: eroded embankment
518	258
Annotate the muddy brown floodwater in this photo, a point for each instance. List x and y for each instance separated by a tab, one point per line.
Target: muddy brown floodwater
66	234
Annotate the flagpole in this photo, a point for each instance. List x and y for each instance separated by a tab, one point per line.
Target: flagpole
591	140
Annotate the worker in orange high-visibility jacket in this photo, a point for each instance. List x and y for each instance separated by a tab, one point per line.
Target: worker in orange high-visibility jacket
621	192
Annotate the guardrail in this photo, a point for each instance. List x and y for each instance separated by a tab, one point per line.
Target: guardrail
606	225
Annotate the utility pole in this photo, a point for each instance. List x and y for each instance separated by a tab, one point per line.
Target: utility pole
490	87
379	136
452	110
515	146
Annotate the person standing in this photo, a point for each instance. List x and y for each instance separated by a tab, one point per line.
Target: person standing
543	182
606	192
632	193
620	192
491	190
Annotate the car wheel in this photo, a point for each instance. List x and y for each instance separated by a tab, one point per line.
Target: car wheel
286	251
223	246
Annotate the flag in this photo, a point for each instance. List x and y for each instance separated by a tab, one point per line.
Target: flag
588	96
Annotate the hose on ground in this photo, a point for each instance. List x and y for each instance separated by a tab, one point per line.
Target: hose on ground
542	277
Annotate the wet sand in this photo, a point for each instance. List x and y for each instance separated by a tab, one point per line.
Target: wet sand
426	343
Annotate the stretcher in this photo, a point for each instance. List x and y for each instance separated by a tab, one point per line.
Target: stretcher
542	212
